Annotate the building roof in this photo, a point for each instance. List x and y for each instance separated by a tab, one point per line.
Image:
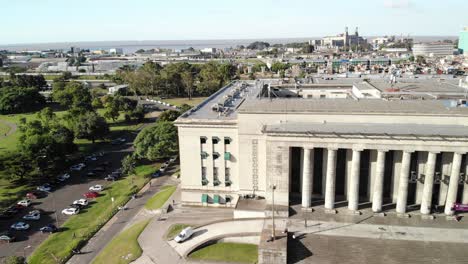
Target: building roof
368	129
349	106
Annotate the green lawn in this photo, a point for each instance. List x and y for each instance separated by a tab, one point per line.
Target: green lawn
227	252
84	225
124	247
180	101
174	230
158	200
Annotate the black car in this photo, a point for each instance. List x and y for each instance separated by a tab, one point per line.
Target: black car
99	169
77	206
7	237
50	228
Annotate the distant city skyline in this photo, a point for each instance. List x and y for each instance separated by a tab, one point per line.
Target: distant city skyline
53	21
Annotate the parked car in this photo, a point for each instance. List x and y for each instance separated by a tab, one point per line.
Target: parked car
99	169
173	159
44	188
91	158
24	203
7	236
156	174
185	234
61	179
91	195
77	167
50	228
104	164
162	169
82	202
77	206
20	226
166	164
90	174
12	209
34	195
100	154
33	215
110	178
70	211
6	215
96	188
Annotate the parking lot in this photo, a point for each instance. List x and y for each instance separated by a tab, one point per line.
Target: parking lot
60	198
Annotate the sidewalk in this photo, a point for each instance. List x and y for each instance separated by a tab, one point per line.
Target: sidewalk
393	232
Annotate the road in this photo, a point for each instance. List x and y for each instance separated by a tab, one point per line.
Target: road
59	199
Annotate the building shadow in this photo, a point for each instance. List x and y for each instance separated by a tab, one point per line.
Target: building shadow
297	251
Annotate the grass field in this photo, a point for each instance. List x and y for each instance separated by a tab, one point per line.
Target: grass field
227	252
174	230
180	101
158	200
124	247
4	128
91	219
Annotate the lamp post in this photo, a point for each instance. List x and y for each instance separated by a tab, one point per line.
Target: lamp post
273	188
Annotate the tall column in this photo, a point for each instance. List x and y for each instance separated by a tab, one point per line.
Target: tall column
453	185
307	170
378	183
465	186
353	194
330	179
403	183
426	200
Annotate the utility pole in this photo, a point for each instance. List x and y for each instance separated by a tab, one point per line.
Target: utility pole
273	188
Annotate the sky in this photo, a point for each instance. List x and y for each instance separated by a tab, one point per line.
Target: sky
45	21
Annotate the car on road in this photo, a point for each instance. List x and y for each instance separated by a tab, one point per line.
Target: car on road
13	209
173	159
162	169
166	164
50	228
91	195
61	179
96	188
33	215
7	236
77	167
44	188
20	226
70	211
185	234
24	203
156	174
82	202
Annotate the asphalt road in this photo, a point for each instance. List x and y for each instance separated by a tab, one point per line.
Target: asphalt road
60	198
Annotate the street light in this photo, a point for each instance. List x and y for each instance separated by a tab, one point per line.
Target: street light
273	188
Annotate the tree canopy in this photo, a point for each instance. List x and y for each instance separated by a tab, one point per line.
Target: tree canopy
156	142
20	100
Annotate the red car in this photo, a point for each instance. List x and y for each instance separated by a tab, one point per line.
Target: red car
91	195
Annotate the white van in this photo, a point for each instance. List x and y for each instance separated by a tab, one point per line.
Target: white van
184	235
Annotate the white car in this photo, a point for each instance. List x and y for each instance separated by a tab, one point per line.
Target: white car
184	235
33	215
77	167
20	226
96	188
82	202
70	211
24	203
173	159
44	188
66	176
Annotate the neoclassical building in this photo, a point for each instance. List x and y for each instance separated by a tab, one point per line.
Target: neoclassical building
373	143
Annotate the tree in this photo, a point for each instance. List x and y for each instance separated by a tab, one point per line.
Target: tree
184	108
72	95
17	166
20	100
258	45
169	115
278	66
156	142
128	165
15	260
97	103
91	126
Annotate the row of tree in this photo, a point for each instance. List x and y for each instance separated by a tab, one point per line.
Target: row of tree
176	79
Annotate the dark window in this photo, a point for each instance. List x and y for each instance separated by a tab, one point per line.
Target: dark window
204	155
215	155
215	172
202	140
203	172
227	141
215	140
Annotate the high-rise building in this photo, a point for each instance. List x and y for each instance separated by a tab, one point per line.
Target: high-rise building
463	41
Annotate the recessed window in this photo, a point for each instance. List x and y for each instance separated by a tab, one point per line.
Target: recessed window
203	172
202	140
204	155
227	141
215	140
215	155
215	172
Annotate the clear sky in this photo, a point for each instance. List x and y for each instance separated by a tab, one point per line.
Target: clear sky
38	21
